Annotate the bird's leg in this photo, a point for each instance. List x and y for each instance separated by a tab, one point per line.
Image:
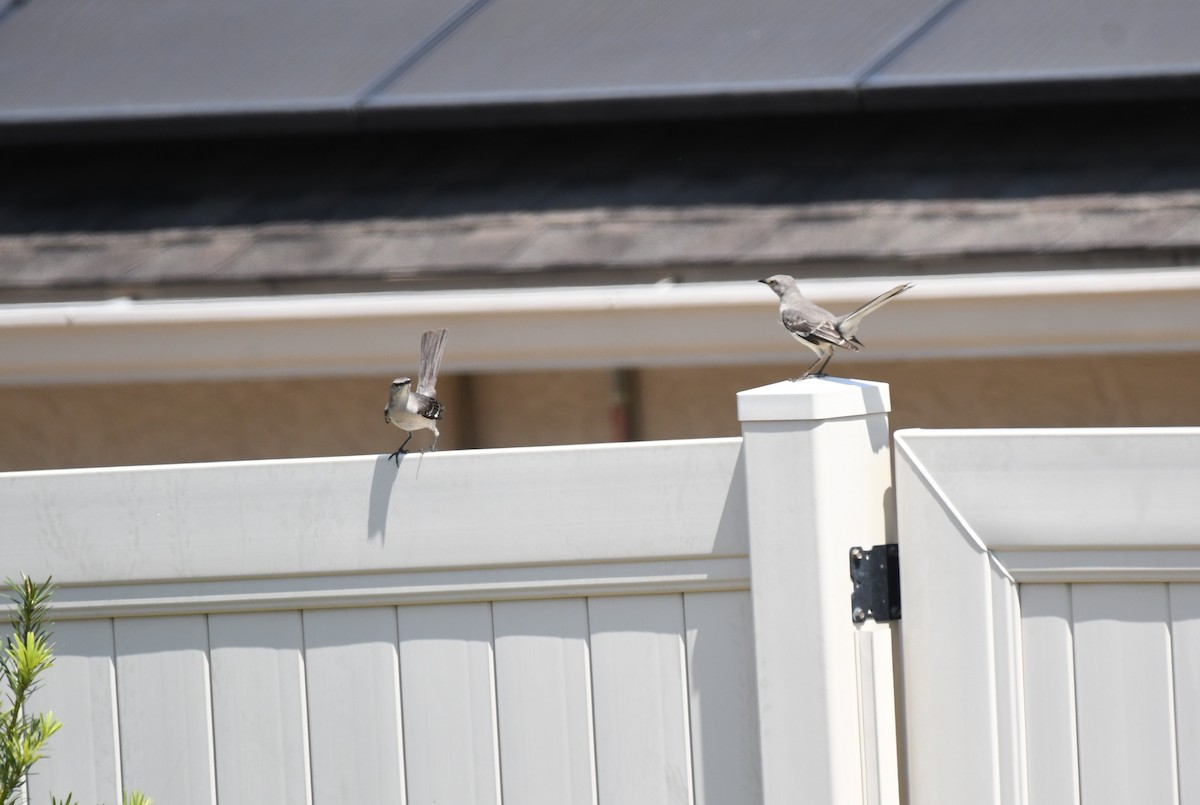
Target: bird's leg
818	368
815	369
432	447
400	449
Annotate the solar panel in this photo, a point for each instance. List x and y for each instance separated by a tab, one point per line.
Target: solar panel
81	59
350	62
545	51
1015	42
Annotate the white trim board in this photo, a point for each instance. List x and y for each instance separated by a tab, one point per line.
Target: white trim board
711	323
1146	565
400	588
1072	487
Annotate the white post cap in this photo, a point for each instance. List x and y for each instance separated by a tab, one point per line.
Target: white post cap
813	398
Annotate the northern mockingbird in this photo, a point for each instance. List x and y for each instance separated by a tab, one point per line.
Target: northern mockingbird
410	409
817	328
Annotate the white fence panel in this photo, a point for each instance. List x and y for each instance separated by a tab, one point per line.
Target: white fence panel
277	639
544	626
1050	614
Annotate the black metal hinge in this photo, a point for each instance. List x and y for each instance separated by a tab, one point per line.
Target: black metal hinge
876	576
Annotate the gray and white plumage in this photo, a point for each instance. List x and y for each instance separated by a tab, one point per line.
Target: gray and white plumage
418	409
817	328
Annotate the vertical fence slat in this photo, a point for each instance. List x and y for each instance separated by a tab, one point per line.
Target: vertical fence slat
164	708
352	677
81	691
1053	752
1185	645
543	688
260	721
643	755
877	689
1123	690
449	703
721	687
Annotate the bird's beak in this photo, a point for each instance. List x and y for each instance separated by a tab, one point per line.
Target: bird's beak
764	282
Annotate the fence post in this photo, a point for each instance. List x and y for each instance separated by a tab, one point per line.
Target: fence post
818	476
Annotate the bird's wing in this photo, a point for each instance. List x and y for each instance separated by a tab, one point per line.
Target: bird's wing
821	330
847	325
426	406
432	344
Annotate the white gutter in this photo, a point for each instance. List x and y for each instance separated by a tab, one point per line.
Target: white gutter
569	328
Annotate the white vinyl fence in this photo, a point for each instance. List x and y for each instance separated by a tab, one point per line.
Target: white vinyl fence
1051	622
648	623
640	624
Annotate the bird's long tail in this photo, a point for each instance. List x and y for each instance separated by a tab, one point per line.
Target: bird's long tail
848	324
432	344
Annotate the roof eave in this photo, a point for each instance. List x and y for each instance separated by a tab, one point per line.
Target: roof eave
701	324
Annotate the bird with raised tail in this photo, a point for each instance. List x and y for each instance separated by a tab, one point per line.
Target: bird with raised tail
416	409
817	328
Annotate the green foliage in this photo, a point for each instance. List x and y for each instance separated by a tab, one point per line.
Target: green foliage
27	654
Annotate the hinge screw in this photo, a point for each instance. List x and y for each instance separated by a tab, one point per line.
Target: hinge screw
859	615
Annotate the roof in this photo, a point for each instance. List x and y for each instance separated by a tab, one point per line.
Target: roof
837	195
73	70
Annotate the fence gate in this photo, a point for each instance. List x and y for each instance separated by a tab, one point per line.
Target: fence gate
1051	627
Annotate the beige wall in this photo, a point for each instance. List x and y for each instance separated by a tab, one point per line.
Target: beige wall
87	426
1094	391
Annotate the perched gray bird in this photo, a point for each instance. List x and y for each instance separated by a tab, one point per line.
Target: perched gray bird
817	328
413	409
